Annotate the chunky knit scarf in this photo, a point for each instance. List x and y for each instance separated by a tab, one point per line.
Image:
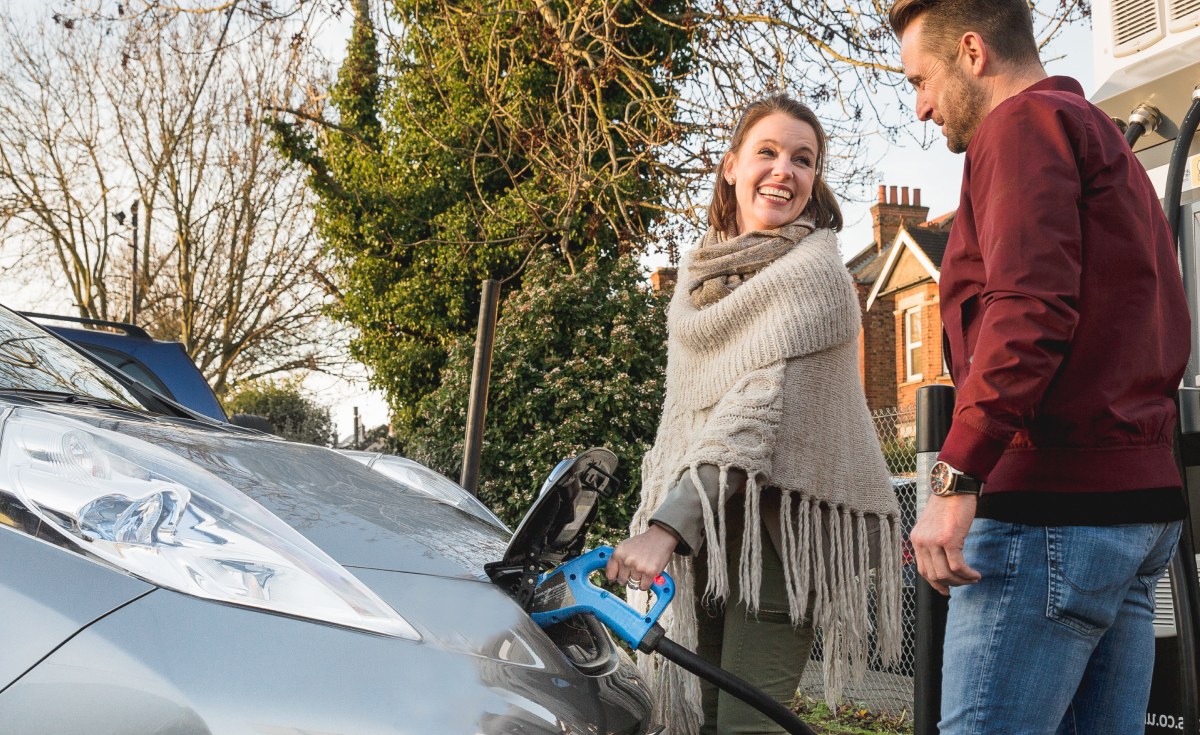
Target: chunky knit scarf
766	380
720	265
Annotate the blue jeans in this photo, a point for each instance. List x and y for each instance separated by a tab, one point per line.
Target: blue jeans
1058	636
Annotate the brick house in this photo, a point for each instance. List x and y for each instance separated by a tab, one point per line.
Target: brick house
663	279
900	347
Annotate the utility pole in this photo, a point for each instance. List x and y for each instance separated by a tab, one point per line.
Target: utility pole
485	337
133	279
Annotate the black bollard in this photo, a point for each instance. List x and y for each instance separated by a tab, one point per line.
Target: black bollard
935	411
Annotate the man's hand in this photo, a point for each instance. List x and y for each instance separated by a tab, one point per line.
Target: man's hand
642	557
938	541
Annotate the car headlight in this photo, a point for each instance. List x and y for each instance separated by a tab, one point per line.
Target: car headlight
417	478
163	519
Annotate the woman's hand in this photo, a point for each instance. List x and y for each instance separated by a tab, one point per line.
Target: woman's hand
642	557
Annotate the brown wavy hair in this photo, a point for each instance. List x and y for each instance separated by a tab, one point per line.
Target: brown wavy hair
822	207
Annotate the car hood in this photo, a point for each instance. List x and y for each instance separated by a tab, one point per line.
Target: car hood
359	517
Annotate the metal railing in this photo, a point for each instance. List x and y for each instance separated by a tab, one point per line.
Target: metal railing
889	690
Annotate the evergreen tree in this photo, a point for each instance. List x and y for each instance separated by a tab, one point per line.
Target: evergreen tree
505	128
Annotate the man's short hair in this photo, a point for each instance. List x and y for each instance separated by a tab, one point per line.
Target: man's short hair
1005	25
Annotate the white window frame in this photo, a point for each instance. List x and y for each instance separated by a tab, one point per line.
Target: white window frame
909	344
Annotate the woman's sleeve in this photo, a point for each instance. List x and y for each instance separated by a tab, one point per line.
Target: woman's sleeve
681	512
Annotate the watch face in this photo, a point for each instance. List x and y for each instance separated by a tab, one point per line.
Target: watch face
940	478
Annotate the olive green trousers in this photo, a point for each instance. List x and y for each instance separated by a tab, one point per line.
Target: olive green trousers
764	649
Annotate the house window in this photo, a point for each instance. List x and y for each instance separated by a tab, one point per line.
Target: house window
912	342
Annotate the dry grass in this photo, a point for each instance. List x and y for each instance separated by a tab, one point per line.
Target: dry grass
849	720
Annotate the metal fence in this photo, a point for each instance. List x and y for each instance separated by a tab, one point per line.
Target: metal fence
891	689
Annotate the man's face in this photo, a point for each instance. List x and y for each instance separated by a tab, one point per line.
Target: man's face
946	92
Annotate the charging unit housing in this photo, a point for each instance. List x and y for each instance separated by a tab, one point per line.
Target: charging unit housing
1148	52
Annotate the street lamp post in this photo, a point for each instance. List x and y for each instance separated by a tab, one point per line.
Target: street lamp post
133	306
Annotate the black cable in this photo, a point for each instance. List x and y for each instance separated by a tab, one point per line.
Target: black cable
1132	133
722	679
1183	568
1185	588
1175	172
1184	595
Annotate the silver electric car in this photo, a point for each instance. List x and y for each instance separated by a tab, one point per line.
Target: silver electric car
161	572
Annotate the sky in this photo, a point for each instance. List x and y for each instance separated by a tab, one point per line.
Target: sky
935	171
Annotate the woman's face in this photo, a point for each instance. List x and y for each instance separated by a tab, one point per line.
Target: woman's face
773	172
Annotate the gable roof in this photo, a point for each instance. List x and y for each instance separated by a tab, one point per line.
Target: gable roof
866	266
927	245
932	243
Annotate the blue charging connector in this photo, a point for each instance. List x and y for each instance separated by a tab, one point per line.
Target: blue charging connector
566	591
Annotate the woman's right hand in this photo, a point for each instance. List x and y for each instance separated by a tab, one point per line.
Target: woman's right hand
642	557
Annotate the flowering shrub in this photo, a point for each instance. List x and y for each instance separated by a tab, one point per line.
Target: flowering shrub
579	361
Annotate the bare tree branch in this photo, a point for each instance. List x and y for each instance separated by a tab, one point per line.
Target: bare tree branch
91	119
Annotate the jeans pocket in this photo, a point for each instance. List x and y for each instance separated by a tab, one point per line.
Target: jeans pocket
1090	570
1159	559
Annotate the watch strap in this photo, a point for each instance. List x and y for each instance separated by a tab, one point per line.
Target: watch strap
965	484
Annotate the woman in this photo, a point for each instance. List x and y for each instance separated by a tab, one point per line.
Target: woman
765	432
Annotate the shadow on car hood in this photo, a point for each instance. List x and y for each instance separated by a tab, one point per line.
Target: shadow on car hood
356	515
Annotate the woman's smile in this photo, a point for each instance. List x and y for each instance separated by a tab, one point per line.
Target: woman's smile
776	193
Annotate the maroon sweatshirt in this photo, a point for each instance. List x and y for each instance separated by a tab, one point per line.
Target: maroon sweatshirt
1065	319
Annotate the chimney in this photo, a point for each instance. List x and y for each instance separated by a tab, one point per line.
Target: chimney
893	211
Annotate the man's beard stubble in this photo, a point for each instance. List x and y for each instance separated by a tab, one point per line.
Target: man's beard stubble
963	109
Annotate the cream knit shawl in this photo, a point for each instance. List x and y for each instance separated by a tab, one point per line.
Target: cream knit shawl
766	380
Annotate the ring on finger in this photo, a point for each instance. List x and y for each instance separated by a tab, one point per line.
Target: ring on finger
633	584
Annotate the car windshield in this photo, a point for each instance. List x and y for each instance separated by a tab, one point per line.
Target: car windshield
33	359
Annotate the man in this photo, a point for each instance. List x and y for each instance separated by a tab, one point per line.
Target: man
1067	335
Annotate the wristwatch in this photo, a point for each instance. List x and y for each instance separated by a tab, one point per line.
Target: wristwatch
944	480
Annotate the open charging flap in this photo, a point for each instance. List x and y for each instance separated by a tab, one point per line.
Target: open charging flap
555	528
